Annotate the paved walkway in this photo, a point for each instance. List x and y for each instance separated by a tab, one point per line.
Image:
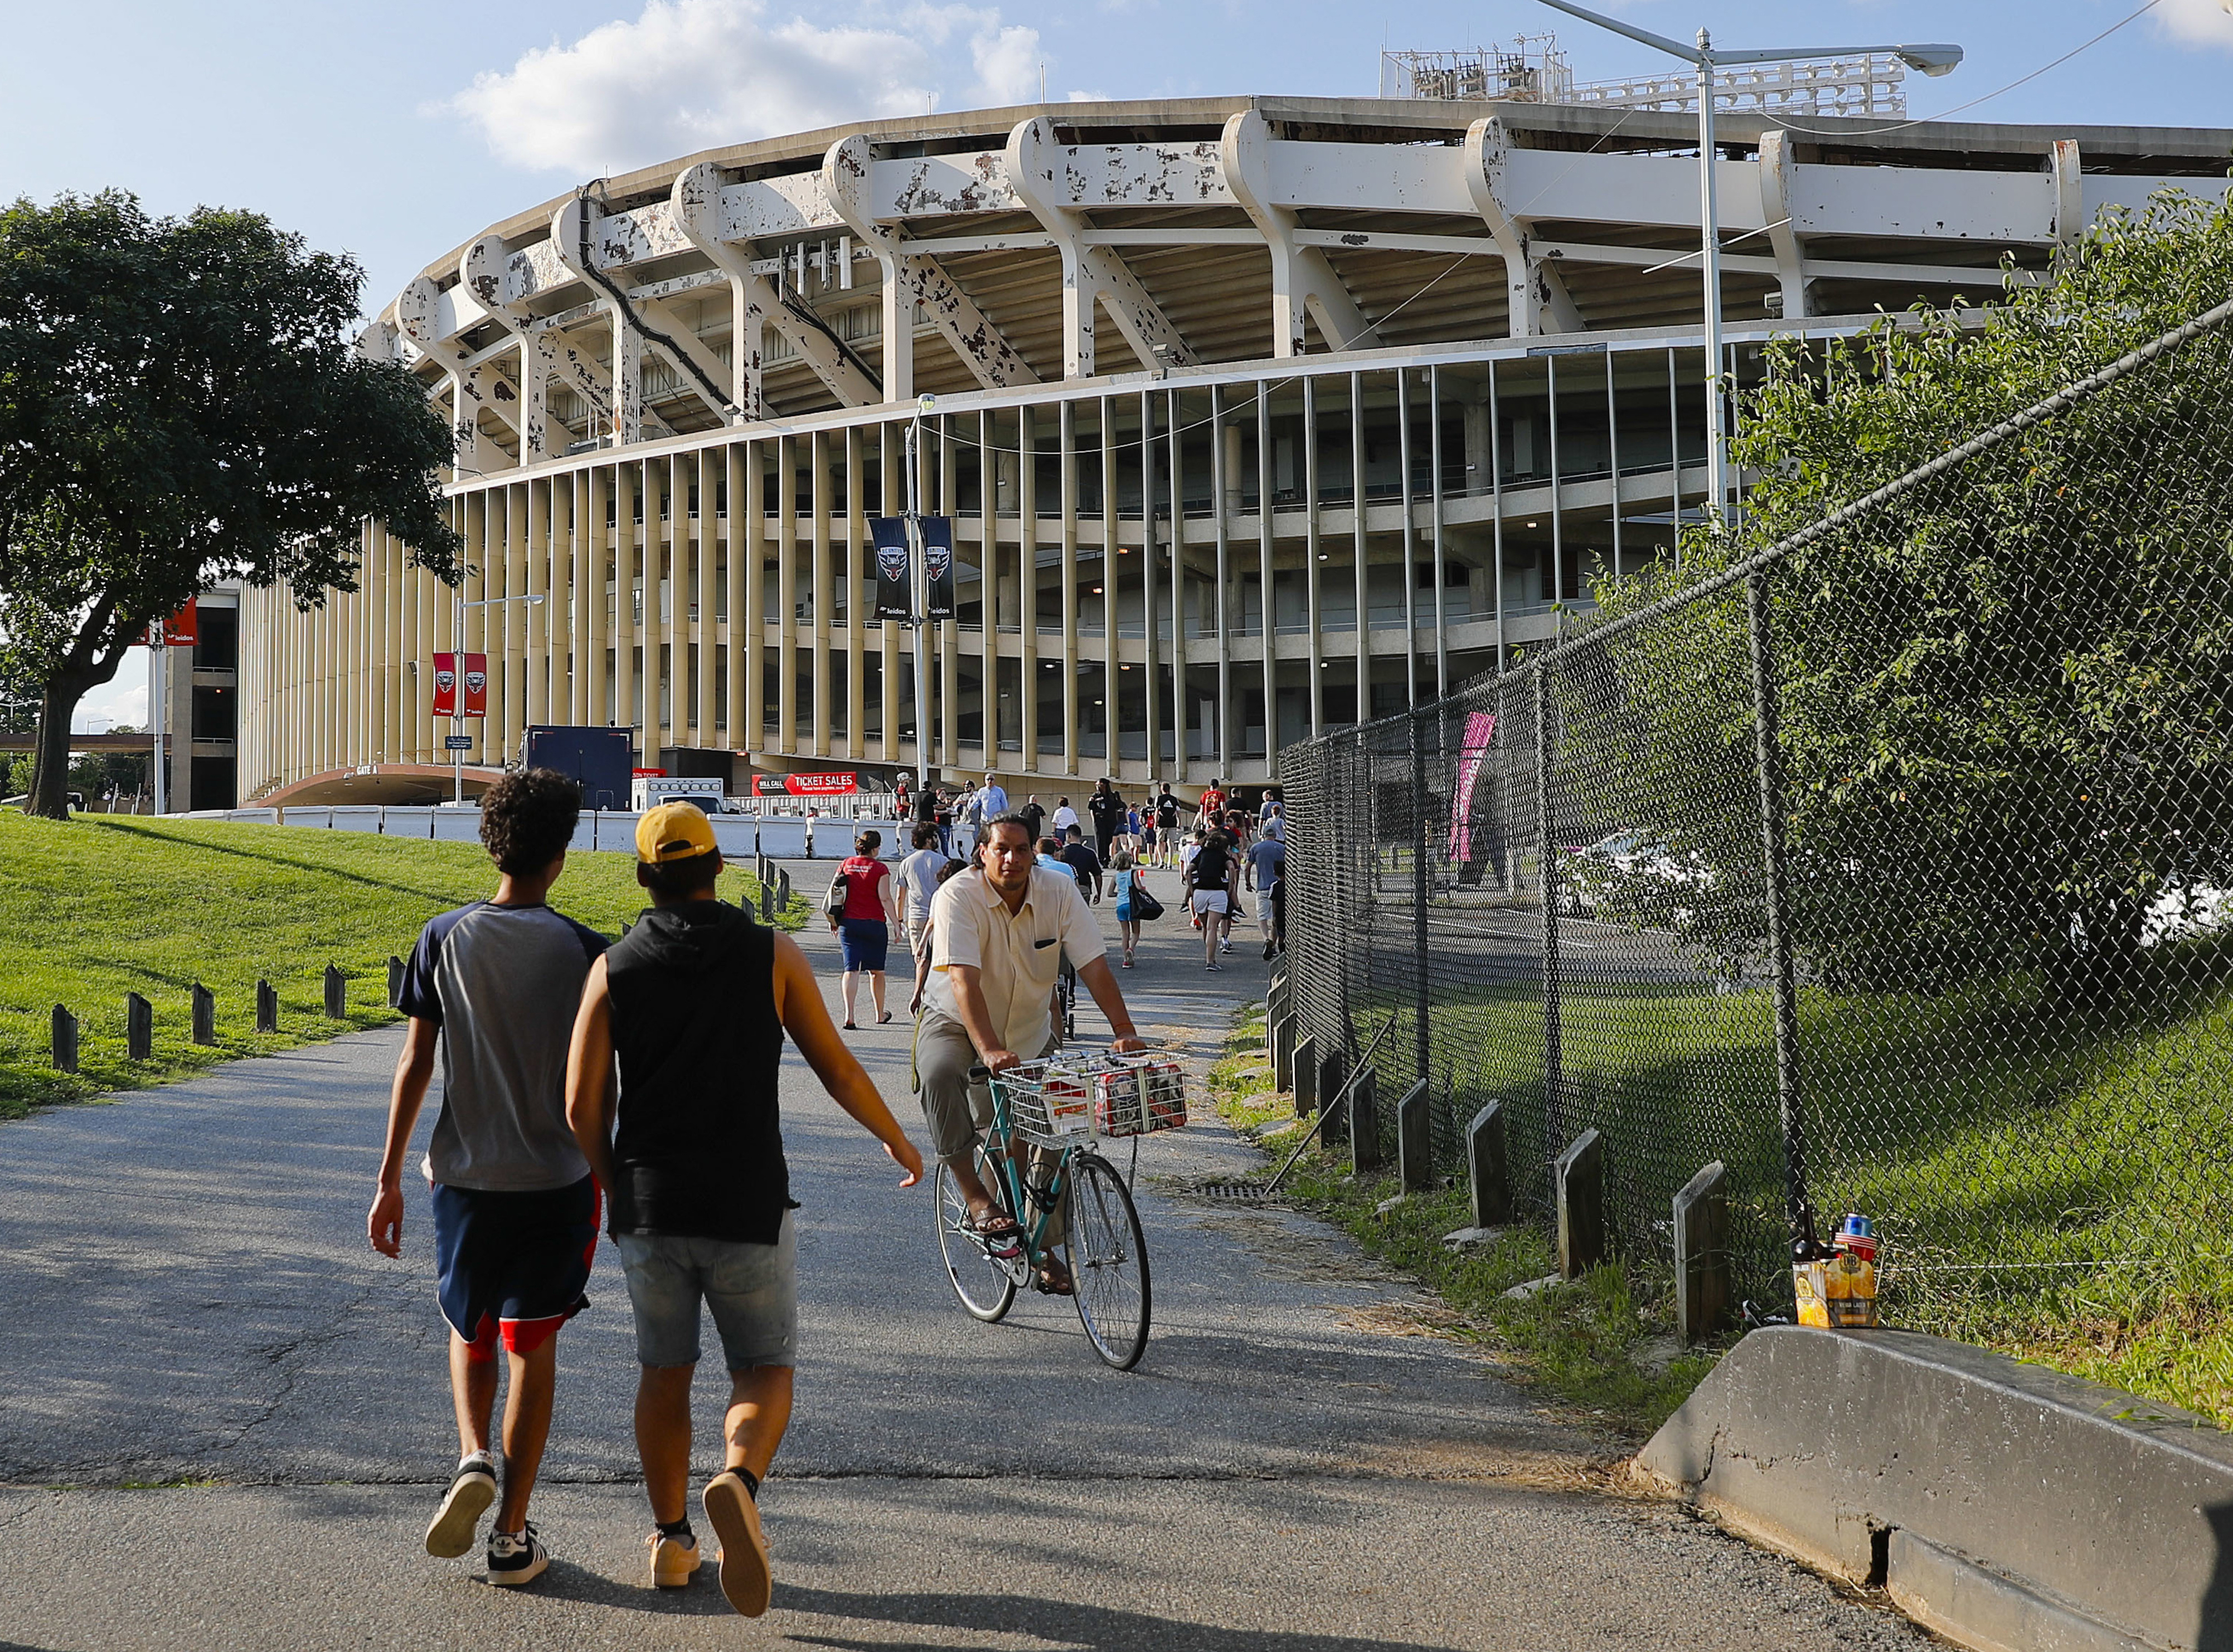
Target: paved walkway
222	1420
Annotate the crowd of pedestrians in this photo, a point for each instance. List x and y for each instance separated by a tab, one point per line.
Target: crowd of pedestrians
633	1087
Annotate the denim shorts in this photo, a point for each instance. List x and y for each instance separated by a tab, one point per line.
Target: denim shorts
753	1289
864	942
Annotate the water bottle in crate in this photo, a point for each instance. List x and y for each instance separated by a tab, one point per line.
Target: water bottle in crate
1117	1102
1163	1094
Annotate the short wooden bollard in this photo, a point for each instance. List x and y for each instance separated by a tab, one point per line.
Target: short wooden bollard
782	889
1283	1054
63	1040
767	901
394	982
1488	1172
337	995
1333	1068
1580	1175
267	1008
1702	1254
1415	1141
139	1028
1305	1063
204	1015
1364	1123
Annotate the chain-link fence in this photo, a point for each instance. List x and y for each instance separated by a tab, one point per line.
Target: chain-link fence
1885	863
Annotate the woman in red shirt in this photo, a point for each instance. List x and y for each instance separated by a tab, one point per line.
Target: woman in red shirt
864	932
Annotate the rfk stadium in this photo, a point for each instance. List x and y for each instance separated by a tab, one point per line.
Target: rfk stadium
1244	417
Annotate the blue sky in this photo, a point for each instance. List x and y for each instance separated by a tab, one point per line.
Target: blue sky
395	131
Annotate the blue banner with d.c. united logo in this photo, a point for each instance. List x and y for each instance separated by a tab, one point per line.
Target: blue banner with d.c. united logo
888	534
938	562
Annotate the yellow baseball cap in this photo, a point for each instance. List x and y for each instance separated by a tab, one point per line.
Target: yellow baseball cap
674	832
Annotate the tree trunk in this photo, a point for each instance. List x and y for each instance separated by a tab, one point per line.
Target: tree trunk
50	784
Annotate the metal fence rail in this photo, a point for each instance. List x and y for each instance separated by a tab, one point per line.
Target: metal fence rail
1883	863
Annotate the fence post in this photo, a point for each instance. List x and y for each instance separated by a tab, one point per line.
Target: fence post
1547	874
139	1028
1579	1177
337	995
63	1040
1769	747
1422	888
267	1008
204	1015
1305	1060
394	982
1702	1254
1364	1124
1415	1141
1487	1173
1333	1069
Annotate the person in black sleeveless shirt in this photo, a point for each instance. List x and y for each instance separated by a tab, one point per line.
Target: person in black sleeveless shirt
694	1003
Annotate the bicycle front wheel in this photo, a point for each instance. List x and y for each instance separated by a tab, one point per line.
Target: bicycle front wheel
1108	1261
985	1284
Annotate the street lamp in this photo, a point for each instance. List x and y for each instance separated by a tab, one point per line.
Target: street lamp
458	700
1933	61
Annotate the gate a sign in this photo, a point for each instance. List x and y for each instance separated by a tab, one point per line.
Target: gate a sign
446	686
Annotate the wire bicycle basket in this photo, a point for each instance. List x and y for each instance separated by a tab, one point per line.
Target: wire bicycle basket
1062	1104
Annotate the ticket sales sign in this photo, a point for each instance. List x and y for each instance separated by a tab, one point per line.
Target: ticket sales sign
805	786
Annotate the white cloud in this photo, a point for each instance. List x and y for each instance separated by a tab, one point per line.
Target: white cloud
2206	21
122	699
688	75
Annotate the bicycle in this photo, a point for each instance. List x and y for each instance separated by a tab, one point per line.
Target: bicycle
1107	1250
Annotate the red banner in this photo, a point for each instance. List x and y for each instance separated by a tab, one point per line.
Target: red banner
182	629
805	786
446	685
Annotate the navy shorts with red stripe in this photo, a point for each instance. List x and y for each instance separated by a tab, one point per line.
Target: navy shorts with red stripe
514	1263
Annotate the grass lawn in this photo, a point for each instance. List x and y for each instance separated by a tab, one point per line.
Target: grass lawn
2050	1182
94	907
1602	1349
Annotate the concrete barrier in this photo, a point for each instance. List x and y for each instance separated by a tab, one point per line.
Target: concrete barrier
354	817
407	820
783	837
739	836
2004	1505
252	816
454	825
310	814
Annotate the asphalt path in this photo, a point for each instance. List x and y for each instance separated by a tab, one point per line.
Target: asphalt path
224	1420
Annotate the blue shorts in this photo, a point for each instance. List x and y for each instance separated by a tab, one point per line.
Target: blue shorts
513	1262
865	941
1124	913
753	1289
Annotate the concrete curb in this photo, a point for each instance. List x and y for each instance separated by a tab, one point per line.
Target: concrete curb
2005	1506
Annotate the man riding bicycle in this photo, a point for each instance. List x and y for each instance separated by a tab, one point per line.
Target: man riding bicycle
998	934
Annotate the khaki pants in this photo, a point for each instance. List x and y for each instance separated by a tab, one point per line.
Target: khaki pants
957	1111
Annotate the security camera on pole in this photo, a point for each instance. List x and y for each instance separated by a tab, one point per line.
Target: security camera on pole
1933	61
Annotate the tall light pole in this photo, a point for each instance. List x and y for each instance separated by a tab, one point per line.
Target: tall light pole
1930	59
919	572
457	690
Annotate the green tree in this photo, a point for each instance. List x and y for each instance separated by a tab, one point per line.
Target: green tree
178	405
2007	696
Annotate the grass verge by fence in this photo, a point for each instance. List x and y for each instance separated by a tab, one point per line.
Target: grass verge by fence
96	908
1601	1348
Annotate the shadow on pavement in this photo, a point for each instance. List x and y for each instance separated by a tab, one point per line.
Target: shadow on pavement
1100	1629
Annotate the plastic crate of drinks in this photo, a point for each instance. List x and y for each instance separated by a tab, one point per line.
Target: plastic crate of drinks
1054	1103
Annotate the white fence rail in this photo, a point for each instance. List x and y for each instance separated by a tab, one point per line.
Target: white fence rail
783	837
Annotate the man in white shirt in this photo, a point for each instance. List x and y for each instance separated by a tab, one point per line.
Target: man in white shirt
994	796
919	882
998	934
1064	818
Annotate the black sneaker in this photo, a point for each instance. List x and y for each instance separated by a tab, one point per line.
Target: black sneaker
516	1557
473	1488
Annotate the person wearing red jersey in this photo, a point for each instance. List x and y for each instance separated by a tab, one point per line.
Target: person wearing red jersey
864	927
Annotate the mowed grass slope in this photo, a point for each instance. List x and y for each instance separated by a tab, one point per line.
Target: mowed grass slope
96	908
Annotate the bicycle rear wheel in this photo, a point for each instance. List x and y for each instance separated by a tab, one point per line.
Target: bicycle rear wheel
985	1284
1108	1261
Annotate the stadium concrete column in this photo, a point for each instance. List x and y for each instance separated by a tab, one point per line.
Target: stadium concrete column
1072	664
536	641
786	586
433	633
1027	603
591	598
1225	493
821	593
948	631
1112	701
1359	552
1175	463
858	597
627	570
705	534
735	651
1150	594
1312	555
754	736
674	605
1408	546
1266	522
